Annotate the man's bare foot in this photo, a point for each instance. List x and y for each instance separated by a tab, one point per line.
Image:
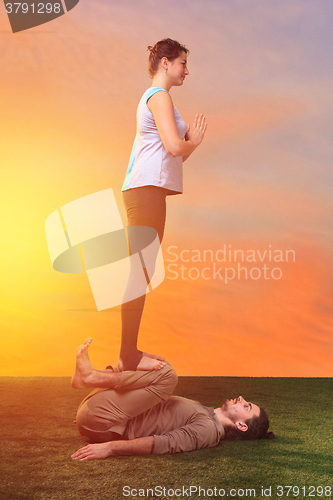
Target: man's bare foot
83	369
147	363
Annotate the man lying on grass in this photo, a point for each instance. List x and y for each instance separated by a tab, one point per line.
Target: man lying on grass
133	413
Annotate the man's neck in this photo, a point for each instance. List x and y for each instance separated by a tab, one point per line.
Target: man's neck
225	421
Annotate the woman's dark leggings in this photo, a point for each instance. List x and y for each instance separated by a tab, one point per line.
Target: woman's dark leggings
145	206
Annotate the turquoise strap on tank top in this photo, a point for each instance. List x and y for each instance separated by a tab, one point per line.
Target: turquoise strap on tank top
153	91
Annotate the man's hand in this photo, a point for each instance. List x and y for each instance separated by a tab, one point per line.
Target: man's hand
93	451
140	446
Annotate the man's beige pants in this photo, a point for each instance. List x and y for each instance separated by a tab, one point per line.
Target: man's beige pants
103	414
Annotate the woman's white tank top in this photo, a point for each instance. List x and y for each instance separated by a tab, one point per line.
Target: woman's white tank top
150	164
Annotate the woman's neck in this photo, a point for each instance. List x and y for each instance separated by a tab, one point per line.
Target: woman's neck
161	80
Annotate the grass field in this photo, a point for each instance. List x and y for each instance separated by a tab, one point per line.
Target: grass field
38	437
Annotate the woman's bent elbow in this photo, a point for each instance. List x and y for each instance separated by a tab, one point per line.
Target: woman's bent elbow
173	152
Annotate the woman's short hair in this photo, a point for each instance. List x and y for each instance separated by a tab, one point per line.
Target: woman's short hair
257	429
171	49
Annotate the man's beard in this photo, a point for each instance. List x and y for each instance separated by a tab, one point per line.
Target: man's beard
225	404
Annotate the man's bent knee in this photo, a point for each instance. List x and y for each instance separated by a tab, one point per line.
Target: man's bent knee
165	382
172	376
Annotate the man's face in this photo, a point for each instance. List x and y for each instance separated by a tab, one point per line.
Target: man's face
239	410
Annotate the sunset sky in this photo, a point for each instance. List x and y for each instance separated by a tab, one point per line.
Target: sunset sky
261	72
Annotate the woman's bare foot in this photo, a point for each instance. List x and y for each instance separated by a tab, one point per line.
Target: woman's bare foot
154	356
147	363
83	369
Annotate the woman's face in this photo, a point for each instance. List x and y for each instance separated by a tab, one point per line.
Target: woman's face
177	69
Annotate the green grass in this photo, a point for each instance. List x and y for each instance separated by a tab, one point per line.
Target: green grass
38	437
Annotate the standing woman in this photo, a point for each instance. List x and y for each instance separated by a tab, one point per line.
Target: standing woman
162	143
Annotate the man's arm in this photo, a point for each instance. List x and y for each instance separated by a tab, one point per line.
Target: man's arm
140	446
199	432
